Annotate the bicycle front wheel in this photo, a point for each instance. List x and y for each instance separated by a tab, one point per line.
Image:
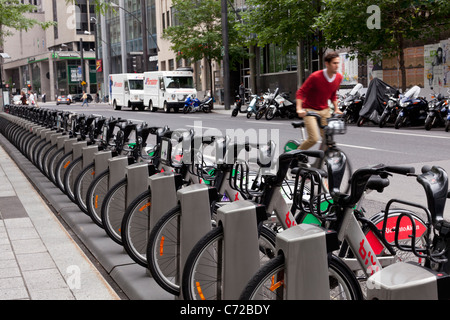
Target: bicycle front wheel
60	170
82	183
269	282
95	195
163	251
201	278
70	176
136	228
113	209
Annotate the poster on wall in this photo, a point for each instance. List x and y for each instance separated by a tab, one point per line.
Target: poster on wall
349	69
434	66
445	44
374	69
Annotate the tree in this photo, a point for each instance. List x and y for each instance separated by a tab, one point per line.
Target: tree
350	24
286	23
196	32
13	16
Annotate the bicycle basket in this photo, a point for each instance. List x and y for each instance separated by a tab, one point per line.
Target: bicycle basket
309	197
336	126
240	179
403	231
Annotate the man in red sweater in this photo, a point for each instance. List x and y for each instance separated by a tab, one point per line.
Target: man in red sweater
313	96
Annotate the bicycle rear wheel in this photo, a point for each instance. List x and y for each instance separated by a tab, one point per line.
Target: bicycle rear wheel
136	228
113	209
205	262
268	283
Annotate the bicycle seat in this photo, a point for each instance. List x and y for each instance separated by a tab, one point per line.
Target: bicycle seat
298	124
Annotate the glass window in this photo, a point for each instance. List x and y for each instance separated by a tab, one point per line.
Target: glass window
136	84
179	82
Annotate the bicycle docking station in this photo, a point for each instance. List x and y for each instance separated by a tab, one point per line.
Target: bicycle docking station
408	281
88	154
163	188
117	166
305	248
137	179
101	159
195	219
241	249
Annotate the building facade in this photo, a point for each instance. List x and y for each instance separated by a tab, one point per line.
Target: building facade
55	61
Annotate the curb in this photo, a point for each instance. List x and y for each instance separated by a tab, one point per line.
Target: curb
133	279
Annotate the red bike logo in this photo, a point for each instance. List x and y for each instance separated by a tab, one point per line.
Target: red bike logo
290	221
368	258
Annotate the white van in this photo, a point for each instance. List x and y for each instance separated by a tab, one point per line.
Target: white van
126	90
168	89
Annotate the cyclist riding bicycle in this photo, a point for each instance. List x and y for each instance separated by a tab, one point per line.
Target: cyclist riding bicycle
314	94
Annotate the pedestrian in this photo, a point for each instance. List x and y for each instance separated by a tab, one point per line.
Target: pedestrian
32	99
313	96
44	98
85	99
242	92
23	98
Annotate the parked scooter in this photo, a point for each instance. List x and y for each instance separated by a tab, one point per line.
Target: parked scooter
254	105
238	103
413	109
351	104
437	111
281	107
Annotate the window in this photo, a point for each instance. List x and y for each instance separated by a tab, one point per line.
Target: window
179	82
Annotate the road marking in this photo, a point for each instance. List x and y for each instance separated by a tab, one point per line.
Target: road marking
190	117
358	147
411	134
201	127
267	122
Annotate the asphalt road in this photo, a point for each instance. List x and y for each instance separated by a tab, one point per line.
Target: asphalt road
366	145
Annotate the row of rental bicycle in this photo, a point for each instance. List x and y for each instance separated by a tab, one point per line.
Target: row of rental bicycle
210	222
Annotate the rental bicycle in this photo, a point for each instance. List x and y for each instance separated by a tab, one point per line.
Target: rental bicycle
371	250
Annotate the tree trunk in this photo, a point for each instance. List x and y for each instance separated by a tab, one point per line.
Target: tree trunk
401	62
210	77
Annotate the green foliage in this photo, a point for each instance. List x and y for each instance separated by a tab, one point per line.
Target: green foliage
197	32
13	16
280	22
344	24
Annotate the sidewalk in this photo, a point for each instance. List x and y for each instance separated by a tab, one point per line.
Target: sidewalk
38	258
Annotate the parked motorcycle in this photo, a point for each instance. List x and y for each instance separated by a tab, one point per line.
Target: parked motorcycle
413	109
192	104
437	111
351	104
281	107
390	111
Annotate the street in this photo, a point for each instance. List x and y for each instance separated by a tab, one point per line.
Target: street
366	145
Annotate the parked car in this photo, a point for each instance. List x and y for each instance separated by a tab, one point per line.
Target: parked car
78	98
63	100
